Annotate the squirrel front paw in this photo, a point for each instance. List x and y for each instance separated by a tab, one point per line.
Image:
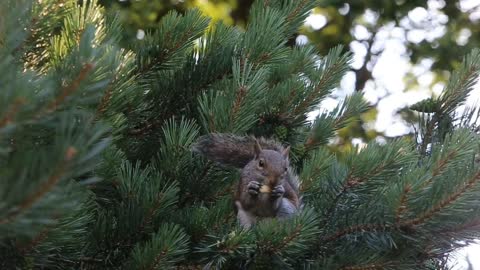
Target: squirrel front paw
278	191
254	187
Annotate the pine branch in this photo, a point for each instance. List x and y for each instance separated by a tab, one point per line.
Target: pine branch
326	124
351	182
44	189
166	248
163	55
145	128
372	266
319	162
158	258
170	49
40	237
68	90
440	166
421	219
12	111
473	225
427	138
424	217
147	219
288	239
295	12
372	227
102	106
402	207
456	94
239	99
333	68
457	90
45	18
122	79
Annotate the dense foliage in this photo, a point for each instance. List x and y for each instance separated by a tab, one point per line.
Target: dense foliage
97	171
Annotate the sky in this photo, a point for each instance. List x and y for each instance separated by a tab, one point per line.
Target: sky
388	90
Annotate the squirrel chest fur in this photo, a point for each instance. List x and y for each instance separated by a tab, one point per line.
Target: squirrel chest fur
268	188
264	190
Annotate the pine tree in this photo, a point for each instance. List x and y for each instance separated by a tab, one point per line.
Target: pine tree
97	170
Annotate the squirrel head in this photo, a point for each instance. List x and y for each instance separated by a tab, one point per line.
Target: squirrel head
270	165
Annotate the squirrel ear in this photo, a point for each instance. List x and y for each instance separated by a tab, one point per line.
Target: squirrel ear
257	149
286	152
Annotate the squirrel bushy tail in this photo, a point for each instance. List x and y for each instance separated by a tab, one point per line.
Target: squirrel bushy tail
232	150
263	163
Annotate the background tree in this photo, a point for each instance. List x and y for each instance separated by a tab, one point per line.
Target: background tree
456	23
97	171
434	33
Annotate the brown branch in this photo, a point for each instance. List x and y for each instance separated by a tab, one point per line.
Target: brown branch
334	203
162	56
12	111
351	182
440	167
310	142
35	241
443	162
206	170
68	90
422	257
474	224
305	186
142	130
372	266
211	122
102	107
24	249
202	177
412	222
296	11
428	134
448	201
263	58
402	207
45	188
241	93
149	217
149	125
357	228
189	267
438	115
90	260
228	249
32	29
158	258
286	240
227	219
471	72
225	192
308	99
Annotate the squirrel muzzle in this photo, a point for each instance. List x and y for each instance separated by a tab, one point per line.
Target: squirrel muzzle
269	183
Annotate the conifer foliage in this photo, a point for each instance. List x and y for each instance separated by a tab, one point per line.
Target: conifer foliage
97	172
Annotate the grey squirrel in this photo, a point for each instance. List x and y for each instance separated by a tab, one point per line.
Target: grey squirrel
268	186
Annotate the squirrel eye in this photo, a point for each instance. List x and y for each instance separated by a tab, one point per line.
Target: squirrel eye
286	169
261	163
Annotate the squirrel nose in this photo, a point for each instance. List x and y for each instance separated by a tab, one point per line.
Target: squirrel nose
271	180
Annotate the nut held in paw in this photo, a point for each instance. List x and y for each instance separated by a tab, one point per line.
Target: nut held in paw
265	189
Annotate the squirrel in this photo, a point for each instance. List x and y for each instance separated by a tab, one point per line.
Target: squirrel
268	187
